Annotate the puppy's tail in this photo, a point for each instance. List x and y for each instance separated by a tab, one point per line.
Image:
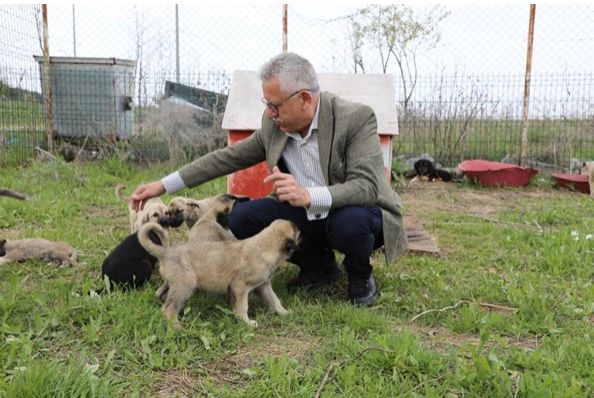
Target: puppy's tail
145	241
119	194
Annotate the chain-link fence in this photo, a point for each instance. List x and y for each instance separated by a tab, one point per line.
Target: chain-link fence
459	72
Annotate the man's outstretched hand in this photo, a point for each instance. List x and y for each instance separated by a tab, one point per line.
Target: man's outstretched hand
145	192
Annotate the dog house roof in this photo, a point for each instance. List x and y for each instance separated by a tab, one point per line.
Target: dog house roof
244	109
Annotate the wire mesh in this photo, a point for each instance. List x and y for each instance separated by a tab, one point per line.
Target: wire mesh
460	88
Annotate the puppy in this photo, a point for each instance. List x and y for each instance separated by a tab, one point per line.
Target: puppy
237	266
60	253
213	223
180	209
425	170
154	210
129	265
588	169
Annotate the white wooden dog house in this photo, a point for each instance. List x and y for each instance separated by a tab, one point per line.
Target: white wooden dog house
243	115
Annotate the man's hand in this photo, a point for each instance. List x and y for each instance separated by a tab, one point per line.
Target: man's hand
287	189
145	192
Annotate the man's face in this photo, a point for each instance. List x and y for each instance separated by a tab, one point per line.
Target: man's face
290	111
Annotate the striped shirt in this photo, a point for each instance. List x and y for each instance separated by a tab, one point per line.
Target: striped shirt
302	158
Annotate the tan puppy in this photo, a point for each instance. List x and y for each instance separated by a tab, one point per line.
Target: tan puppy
211	226
154	210
214	218
236	266
60	253
181	209
588	169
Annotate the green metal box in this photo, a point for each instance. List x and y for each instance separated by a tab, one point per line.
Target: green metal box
90	97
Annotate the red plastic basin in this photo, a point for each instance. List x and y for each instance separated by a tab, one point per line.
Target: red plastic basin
578	181
497	173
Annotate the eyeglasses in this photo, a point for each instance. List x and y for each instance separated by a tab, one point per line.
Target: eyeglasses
276	107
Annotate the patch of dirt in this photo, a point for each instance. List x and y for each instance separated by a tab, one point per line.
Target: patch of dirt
101	212
180	383
296	347
442	339
228	370
457	198
454	198
422	200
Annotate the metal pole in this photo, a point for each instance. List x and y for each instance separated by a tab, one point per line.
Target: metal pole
73	31
176	43
51	134
285	27
527	77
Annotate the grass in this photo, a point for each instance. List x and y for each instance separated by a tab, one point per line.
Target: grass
505	310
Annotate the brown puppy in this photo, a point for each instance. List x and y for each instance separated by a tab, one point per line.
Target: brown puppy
60	253
237	266
154	210
588	169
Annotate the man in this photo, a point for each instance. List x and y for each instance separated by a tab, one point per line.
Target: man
327	173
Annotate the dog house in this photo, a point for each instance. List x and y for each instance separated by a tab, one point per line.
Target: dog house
91	97
243	116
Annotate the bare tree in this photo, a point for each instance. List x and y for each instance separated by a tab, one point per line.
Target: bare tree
397	33
357	42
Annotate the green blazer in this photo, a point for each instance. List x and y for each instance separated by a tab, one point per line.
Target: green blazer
350	155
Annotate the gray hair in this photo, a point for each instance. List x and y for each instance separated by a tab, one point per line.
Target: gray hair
293	71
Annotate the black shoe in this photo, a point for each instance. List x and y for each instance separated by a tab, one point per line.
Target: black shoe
308	279
362	291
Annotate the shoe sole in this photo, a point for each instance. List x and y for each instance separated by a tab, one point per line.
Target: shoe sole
366	303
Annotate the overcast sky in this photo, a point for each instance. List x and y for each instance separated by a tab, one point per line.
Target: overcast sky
476	39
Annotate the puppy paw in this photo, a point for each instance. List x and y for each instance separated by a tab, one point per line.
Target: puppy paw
283	311
252	323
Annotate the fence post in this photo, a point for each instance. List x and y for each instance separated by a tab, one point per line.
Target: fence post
49	125
285	28
527	78
176	43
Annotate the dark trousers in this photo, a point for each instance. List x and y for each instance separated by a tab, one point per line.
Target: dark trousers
354	231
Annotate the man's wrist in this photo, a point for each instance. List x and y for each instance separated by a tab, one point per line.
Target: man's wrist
173	183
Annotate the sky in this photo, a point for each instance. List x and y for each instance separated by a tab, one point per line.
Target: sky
489	41
477	39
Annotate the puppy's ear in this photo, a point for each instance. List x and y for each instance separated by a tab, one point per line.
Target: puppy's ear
291	247
223	219
193	204
145	218
2	247
239	199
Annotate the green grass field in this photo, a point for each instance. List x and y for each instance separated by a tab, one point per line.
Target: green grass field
505	310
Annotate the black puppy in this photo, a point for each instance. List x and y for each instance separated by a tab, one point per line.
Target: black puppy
426	168
129	265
